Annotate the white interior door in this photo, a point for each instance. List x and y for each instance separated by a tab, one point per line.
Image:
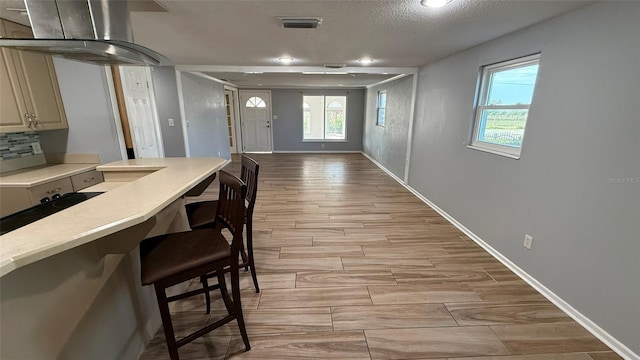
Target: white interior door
141	110
256	120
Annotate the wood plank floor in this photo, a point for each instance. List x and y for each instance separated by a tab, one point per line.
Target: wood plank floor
353	266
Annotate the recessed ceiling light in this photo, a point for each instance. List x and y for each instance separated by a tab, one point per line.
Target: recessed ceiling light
253	72
286	59
434	3
366	61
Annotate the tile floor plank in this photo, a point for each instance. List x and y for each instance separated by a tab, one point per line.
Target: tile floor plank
547	338
500	313
433	342
347	345
344	278
314	297
390	316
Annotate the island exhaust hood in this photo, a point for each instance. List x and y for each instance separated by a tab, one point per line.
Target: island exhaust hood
94	31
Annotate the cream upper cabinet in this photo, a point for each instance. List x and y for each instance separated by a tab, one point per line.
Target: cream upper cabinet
29	90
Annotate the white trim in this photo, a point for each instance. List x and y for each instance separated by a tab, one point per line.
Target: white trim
298	69
317	152
197	73
580	318
116	112
492	151
183	115
412	113
389	80
324	141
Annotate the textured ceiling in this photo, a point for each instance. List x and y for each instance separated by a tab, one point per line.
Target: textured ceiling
396	33
393	32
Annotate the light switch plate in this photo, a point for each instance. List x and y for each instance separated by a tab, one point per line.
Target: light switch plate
171	122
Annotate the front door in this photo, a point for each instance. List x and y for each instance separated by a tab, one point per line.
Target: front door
141	111
256	120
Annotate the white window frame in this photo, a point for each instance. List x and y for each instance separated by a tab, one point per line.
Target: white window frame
378	107
481	100
346	102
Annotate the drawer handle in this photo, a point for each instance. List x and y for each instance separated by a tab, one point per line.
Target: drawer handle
56	190
90	179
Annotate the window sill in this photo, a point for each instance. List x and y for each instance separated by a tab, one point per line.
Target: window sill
325	141
495	152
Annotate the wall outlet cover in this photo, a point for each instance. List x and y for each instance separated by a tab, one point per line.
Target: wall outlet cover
528	241
35	147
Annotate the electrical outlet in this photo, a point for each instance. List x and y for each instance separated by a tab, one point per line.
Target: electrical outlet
35	147
528	241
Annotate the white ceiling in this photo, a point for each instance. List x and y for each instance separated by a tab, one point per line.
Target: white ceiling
298	80
396	33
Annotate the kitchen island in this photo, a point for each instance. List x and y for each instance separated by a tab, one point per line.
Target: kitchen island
70	283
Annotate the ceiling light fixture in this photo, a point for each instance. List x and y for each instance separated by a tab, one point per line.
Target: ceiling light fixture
366	61
286	59
434	3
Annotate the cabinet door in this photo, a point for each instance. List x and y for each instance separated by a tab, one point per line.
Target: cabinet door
13	109
38	82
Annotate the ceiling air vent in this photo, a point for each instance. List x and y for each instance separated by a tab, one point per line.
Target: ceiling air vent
334	66
294	22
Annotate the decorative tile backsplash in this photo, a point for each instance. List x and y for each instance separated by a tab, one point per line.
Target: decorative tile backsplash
16	145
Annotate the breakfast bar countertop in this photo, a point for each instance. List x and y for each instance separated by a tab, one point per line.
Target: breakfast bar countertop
122	207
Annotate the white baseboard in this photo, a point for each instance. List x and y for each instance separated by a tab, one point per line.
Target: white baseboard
317	152
581	319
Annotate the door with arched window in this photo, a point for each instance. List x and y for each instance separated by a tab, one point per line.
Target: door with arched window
256	120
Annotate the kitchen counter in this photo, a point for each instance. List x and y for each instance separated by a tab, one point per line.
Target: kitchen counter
122	207
37	175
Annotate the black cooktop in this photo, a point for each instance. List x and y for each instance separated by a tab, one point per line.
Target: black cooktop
27	216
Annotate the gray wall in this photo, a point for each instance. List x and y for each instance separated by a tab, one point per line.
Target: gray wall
166	91
576	188
388	144
205	110
287	129
86	99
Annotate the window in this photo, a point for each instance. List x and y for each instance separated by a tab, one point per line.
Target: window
324	117
504	97
255	102
381	107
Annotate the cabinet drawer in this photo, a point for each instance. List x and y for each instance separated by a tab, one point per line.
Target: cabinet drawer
86	179
50	189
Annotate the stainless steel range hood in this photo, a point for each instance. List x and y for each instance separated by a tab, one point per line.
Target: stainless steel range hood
95	31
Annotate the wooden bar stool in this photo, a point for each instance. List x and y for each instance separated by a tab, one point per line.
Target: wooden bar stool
172	259
201	214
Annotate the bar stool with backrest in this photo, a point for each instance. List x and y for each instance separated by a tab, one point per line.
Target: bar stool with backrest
200	215
175	258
